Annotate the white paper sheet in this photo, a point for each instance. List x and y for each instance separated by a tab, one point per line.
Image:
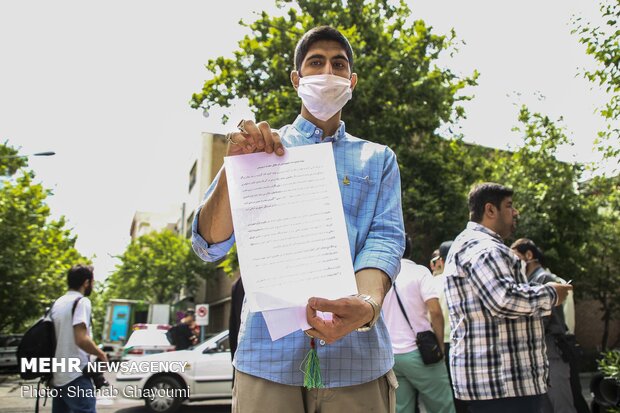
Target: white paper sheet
287	320
290	230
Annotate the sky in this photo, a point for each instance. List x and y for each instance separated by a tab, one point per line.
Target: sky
106	86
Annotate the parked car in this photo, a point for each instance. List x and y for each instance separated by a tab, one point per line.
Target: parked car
8	351
146	339
206	376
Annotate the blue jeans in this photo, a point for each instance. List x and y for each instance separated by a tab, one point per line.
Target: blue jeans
81	398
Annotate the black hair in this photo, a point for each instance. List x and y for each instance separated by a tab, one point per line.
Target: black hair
408	247
443	249
524	245
317	34
483	194
78	274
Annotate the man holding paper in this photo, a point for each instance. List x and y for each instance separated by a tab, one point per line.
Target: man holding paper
353	347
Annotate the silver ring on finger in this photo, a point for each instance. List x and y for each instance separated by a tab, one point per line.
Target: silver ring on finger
241	126
229	138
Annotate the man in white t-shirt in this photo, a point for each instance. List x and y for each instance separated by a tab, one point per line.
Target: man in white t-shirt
418	293
71	314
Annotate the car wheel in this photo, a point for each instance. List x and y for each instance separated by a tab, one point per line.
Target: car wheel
162	390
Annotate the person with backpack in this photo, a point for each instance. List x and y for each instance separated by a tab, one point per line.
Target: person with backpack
71	315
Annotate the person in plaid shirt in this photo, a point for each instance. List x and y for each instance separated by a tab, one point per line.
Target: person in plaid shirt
497	356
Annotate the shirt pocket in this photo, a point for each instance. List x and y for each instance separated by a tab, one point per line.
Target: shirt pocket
353	190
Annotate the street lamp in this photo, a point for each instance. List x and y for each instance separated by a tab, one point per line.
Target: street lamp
49	153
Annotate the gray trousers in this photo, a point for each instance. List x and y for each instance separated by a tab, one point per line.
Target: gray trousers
560	395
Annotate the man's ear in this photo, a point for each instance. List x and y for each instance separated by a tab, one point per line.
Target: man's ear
529	256
295	78
490	210
353	81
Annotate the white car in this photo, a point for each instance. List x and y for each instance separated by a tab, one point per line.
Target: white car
144	342
206	375
8	351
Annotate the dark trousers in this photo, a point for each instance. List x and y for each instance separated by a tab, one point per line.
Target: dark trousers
525	404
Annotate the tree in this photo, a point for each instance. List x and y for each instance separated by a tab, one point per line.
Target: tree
401	99
602	251
553	212
575	222
601	41
602	44
35	250
155	267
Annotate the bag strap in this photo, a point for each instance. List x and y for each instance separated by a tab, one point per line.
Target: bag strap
402	308
75	303
36	405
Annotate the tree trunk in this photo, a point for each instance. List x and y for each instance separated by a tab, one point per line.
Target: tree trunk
606	319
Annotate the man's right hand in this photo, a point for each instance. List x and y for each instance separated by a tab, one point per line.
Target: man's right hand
259	138
562	291
102	356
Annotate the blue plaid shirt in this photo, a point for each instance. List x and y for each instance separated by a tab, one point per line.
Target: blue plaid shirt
369	182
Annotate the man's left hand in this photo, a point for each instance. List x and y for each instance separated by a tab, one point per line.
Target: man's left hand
348	314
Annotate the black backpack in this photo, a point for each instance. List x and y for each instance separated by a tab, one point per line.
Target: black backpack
39	341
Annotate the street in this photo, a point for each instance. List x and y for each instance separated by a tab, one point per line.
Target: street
12	400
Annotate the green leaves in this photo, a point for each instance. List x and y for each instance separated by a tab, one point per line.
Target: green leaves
601	41
155	268
400	92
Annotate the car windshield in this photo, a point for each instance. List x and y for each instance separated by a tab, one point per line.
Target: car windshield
211	342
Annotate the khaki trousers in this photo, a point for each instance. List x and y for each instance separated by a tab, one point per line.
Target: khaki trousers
255	395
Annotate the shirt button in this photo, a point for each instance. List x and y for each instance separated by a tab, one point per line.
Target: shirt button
322	342
316	132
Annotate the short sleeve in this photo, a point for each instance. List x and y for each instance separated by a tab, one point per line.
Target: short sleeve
429	287
82	312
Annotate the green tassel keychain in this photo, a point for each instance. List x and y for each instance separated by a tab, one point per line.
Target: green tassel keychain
312	368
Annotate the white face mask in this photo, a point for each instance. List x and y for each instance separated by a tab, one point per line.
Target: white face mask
324	95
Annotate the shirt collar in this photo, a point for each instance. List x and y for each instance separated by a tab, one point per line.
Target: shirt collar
535	273
479	227
310	131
